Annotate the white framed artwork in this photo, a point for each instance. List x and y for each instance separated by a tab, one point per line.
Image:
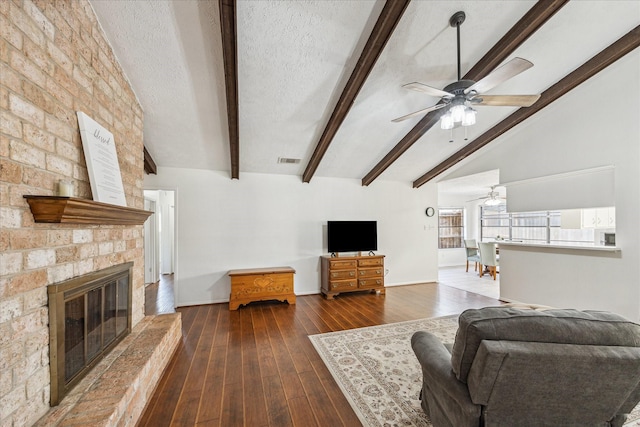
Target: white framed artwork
102	161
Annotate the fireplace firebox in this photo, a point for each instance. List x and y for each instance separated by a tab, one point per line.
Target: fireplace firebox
88	316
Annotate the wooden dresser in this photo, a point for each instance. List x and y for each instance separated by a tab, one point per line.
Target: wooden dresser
261	284
354	273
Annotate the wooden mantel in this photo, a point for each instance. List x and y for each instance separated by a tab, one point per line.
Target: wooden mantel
72	210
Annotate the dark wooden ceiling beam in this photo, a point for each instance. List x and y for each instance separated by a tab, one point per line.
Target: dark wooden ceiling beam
602	60
386	23
521	31
229	54
149	164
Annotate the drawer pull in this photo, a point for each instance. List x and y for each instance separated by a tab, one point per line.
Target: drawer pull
352	274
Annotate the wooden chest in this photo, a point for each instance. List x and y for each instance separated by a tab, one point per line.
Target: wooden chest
261	284
348	274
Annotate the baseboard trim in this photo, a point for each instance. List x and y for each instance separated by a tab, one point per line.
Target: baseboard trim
192	303
391	285
226	300
316	292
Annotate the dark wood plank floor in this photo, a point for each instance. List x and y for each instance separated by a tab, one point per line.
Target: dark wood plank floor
159	297
257	367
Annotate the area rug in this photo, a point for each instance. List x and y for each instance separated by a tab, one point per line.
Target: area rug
379	374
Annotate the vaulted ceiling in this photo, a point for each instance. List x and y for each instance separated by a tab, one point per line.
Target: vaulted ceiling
235	86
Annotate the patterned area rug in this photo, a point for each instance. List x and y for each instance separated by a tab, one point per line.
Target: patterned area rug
380	376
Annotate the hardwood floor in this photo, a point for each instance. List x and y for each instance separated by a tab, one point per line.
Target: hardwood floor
257	367
159	297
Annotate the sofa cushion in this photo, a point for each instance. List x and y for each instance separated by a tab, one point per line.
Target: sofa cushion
562	326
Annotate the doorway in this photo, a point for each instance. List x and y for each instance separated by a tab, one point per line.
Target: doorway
159	251
159	234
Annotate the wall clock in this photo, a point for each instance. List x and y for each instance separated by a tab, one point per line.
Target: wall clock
430	211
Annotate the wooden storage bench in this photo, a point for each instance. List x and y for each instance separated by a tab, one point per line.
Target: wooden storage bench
261	284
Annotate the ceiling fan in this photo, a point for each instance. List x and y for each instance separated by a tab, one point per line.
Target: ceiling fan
492	198
461	95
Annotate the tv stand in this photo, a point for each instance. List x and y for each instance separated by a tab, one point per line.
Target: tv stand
352	273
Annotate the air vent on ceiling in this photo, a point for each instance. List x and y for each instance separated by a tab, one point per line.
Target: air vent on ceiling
288	160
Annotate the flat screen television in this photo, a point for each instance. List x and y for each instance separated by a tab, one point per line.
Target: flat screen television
352	236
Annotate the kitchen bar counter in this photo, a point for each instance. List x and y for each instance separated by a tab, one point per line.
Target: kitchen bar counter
554	245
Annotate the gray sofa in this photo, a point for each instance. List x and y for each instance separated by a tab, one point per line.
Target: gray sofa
521	367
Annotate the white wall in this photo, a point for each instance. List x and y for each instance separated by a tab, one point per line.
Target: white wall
452	257
276	220
472	219
597	124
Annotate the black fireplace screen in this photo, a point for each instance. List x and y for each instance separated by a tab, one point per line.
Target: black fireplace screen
88	316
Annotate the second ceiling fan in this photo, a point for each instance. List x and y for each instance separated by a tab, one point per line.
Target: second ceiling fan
461	95
493	198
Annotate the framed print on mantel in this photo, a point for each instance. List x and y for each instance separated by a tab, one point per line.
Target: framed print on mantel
102	161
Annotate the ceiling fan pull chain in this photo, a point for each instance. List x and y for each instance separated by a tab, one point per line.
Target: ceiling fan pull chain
451	138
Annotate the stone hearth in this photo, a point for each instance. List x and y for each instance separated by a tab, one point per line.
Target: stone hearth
116	391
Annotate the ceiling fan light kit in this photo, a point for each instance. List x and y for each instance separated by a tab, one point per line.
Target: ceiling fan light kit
493	198
458	97
466	116
492	202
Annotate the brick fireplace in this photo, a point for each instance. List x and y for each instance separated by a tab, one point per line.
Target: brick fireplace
55	60
88	316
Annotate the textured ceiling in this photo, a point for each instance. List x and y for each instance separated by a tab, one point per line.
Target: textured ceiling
294	59
470	185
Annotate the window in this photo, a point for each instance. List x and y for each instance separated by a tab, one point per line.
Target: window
530	226
544	227
450	228
494	222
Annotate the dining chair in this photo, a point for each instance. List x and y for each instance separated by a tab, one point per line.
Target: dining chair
488	258
472	253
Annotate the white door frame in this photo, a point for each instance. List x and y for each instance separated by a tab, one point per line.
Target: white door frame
167	235
151	250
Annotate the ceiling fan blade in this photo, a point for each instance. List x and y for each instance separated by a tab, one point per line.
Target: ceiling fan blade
419	112
505	100
499	75
420	87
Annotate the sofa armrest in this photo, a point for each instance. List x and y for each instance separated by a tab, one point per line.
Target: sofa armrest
446	396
